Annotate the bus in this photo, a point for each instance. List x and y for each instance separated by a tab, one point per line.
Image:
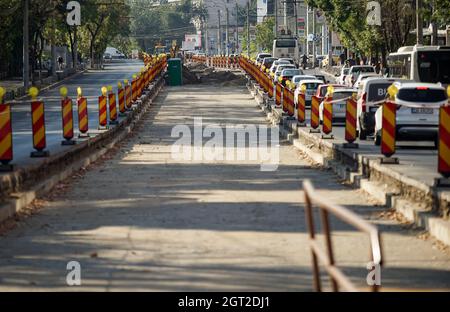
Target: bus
286	47
421	63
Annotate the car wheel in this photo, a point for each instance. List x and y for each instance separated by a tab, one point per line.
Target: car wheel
378	138
362	135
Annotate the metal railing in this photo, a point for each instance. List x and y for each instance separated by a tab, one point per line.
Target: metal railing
337	277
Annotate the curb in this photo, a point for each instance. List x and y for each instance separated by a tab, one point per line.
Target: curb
20	99
26	185
416	201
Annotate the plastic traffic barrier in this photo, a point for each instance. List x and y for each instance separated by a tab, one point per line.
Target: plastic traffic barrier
6	143
83	118
301	106
121	96
67	117
103	110
327	126
38	125
388	132
350	123
112	106
315	122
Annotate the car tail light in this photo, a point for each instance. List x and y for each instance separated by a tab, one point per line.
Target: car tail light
364	104
422	88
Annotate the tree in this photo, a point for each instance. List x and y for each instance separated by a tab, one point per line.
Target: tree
265	35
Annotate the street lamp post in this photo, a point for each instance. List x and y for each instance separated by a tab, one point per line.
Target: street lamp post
26	42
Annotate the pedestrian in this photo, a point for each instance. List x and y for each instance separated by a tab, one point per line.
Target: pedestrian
60	62
342	59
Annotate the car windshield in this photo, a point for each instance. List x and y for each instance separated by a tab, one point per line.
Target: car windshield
285	43
312	86
377	91
298	79
434	66
422	95
291	72
342	95
358	70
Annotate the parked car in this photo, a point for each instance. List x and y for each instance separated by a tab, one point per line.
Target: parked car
280	69
322	78
354	72
261	56
298	79
311	87
340	107
323	89
343	75
275	64
417	117
290	60
288	74
363	77
370	92
268	61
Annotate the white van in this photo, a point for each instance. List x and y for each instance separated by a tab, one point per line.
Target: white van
115	54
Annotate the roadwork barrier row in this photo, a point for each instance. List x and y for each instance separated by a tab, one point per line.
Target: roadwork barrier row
421	202
284	91
20	187
108	112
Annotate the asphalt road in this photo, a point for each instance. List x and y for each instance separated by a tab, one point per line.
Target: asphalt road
91	82
418	160
145	220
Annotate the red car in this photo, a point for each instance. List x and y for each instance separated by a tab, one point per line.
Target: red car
322	90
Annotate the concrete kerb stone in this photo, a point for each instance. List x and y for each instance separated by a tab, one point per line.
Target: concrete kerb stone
26	184
389	187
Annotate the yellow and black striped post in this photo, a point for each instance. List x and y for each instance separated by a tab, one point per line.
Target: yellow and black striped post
38	125
128	98
301	106
444	141
121	96
327	126
315	122
279	94
103	110
6	143
83	118
112	106
389	127
350	123
67	117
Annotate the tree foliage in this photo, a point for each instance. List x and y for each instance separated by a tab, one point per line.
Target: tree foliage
156	24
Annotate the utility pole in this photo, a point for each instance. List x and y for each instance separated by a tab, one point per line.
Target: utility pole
237	28
307	30
206	37
53	48
276	19
219	36
26	42
296	19
419	22
227	39
248	28
314	41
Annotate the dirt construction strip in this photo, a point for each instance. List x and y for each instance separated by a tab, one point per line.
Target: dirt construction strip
144	221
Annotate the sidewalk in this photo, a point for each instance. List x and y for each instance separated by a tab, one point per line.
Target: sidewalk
15	89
